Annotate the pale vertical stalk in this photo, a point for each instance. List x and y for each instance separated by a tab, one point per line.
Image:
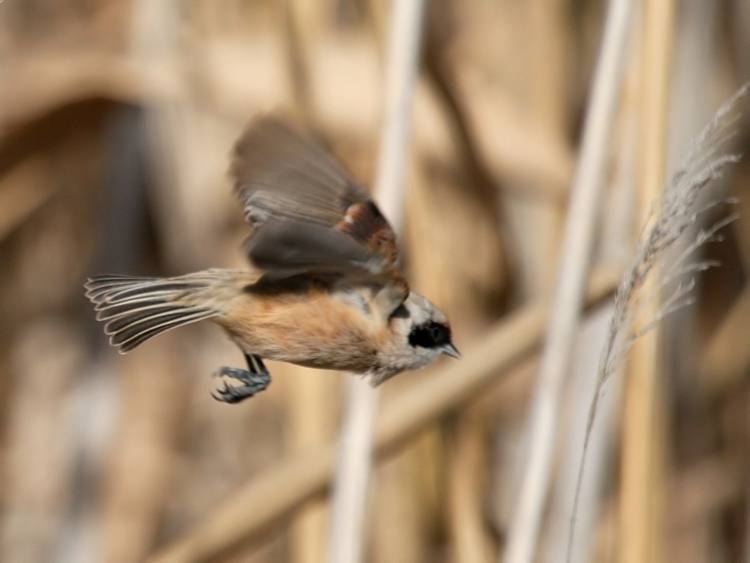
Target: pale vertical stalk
615	247
353	472
593	333
401	66
643	440
568	298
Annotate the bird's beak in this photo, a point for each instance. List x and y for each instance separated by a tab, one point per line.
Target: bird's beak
450	350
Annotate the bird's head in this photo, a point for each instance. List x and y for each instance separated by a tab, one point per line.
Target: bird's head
419	333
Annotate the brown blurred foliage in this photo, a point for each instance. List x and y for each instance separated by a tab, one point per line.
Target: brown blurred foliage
117	119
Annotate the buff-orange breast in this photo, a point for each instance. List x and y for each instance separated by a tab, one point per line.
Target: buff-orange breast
316	329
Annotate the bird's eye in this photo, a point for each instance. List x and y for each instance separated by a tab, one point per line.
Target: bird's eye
430	335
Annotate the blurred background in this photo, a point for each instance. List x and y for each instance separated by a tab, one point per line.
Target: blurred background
117	118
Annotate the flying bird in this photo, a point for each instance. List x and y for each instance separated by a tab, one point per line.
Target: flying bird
323	290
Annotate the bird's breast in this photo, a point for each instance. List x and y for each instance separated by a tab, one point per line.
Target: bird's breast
315	329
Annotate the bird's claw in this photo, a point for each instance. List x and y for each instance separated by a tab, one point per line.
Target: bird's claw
254	380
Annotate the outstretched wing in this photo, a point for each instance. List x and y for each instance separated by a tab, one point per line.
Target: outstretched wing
306	213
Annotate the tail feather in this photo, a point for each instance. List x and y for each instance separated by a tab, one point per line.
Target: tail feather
135	309
104	292
133	335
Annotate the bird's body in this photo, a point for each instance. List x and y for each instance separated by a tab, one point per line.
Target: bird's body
307	322
323	290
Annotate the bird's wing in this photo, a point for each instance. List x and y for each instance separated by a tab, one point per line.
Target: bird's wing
307	214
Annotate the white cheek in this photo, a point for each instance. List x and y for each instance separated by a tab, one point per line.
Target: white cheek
426	356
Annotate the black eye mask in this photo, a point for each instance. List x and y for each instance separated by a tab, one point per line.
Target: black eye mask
430	335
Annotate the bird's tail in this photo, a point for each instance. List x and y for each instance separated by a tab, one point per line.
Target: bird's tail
135	309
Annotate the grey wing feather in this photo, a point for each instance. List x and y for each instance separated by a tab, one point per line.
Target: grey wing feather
291	247
277	172
294	196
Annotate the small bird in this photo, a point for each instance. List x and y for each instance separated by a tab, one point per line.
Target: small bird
324	290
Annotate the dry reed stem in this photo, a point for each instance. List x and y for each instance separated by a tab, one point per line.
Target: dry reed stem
300	22
285	486
644	425
407	500
549	47
443	221
440	27
142	466
590	341
351	487
574	262
39	462
135	492
309	400
467	491
615	247
550	52
447	217
310	396
349	503
542	219
408	484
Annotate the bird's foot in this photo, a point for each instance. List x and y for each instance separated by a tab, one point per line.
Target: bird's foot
254	380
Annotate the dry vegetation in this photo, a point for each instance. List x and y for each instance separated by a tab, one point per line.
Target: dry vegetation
117	118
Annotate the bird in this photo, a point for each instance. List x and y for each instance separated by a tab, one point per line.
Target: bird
323	289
